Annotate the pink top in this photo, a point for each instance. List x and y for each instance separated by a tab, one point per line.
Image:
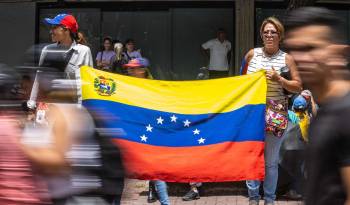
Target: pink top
18	185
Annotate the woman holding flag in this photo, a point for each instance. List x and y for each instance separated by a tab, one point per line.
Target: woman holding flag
137	67
276	63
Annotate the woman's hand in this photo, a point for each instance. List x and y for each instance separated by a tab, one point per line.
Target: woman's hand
273	75
99	64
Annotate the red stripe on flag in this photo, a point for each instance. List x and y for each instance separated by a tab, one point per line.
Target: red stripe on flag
229	161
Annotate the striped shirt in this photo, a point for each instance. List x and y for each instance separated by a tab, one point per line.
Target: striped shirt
278	62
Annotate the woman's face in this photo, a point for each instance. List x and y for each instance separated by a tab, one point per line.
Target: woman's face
59	33
270	36
137	72
130	46
107	45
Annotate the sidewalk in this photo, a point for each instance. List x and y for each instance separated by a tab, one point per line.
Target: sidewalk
135	193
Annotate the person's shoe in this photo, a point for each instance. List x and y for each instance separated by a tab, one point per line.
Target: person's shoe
269	203
253	202
151	196
191	195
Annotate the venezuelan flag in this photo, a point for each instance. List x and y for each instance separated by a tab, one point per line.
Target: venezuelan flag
183	131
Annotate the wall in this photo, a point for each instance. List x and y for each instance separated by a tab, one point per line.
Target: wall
17	31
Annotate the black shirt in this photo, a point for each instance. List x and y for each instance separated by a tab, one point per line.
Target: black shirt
328	152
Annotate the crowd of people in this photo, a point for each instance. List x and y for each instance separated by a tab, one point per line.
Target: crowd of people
57	152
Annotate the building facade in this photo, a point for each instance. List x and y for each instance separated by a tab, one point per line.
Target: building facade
169	33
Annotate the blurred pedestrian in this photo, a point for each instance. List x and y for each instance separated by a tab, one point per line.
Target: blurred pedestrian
60	143
104	58
275	62
313	40
19	184
217	50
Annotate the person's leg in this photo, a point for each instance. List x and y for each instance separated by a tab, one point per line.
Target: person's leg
193	194
272	148
117	199
162	192
298	177
151	196
110	199
253	190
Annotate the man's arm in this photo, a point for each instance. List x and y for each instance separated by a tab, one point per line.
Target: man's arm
205	49
229	52
229	57
205	52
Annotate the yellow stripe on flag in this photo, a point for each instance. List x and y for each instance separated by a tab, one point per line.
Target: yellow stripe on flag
183	97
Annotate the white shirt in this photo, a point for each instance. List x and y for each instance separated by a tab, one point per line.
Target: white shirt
218	54
80	56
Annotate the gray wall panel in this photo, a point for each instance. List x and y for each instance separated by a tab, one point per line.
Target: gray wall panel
17	31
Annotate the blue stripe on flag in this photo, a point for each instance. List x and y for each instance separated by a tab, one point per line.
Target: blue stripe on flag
181	130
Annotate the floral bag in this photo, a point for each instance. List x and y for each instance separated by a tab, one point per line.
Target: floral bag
276	118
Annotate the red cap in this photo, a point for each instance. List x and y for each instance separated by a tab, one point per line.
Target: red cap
65	20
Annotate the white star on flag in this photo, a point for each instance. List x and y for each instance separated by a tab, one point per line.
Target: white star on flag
173	118
201	140
196	132
149	128
160	120
186	123
143	138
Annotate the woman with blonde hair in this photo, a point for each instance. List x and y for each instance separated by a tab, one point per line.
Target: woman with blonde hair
276	63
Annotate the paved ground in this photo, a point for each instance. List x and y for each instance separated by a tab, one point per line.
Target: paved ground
213	194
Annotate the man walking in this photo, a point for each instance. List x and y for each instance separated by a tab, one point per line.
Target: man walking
312	41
